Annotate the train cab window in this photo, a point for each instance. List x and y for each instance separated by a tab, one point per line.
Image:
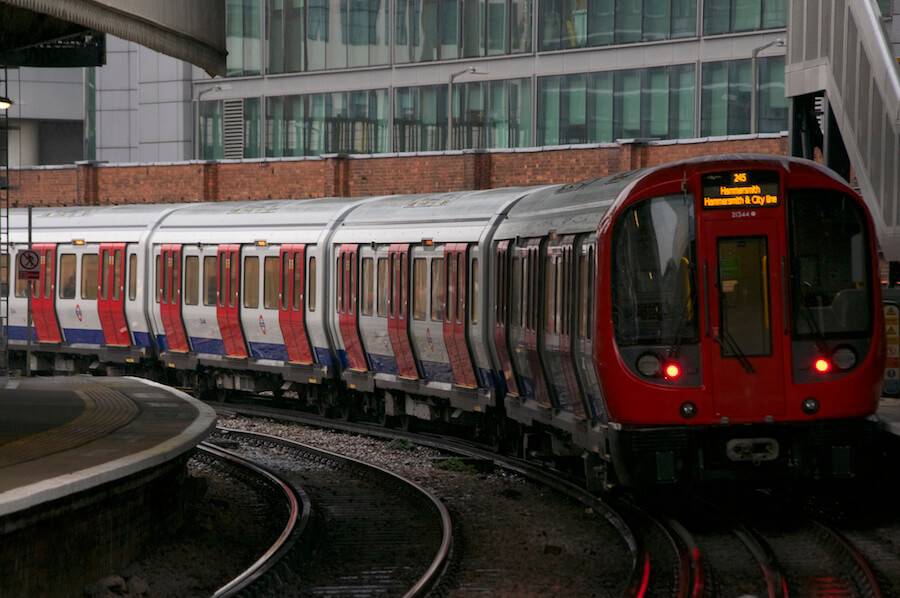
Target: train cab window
159	280
132	276
311	295
4	274
830	268
298	281
104	275
473	303
251	282
191	280
67	273
209	280
384	287
270	283
420	288
437	290
117	275
89	273
654	273
367	294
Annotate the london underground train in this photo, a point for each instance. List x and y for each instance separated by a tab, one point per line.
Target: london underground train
715	318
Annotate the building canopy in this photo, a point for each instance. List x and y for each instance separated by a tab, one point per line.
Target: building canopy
71	32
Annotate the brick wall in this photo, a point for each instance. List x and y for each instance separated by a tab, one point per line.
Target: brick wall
88	183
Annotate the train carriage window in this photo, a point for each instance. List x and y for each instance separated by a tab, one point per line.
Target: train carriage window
167	277
384	287
235	271
105	263
550	293
353	282
311	295
461	287
132	277
223	279
298	281
420	288
251	282
368	278
562	280
210	271
437	290
176	277
515	298
286	282
451	288
48	275
117	275
270	283
339	284
4	274
104	274
473	302
404	286
159	280
67	273
89	267
191	280
583	293
22	286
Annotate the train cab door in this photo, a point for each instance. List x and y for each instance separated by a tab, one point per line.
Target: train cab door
42	295
455	316
228	308
398	310
502	315
291	309
347	285
168	289
745	303
111	299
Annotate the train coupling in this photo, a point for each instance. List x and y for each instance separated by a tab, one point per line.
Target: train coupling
755	450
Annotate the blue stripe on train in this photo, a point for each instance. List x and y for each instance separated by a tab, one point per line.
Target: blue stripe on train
87	337
323	356
268	351
384	364
436	371
143	339
210	346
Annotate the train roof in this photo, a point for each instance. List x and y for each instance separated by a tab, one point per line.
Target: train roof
89	223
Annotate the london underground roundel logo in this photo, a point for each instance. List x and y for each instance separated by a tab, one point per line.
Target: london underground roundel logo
78	313
262	324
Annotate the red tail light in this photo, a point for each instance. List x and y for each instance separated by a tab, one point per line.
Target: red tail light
822	365
672	370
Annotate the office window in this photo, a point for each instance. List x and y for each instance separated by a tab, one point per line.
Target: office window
242	37
772	105
191	280
89	273
725	98
251	281
729	16
270	282
67	284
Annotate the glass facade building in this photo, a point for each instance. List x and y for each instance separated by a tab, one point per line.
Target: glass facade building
310	77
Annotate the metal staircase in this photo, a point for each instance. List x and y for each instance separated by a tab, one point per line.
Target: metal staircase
842	64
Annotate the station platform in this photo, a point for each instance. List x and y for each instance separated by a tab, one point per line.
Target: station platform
90	469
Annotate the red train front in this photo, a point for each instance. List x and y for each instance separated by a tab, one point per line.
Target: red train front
745	309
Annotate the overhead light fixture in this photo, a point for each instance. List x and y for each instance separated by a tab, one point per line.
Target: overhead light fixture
5	103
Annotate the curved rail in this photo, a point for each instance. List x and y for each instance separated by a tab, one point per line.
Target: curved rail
860	570
296	514
441	558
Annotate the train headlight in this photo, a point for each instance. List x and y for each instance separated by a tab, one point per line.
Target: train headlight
822	365
672	371
810	406
688	410
844	358
649	365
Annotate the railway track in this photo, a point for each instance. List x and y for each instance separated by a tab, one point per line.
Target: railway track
371	532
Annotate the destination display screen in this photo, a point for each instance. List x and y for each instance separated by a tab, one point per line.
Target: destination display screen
740	189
